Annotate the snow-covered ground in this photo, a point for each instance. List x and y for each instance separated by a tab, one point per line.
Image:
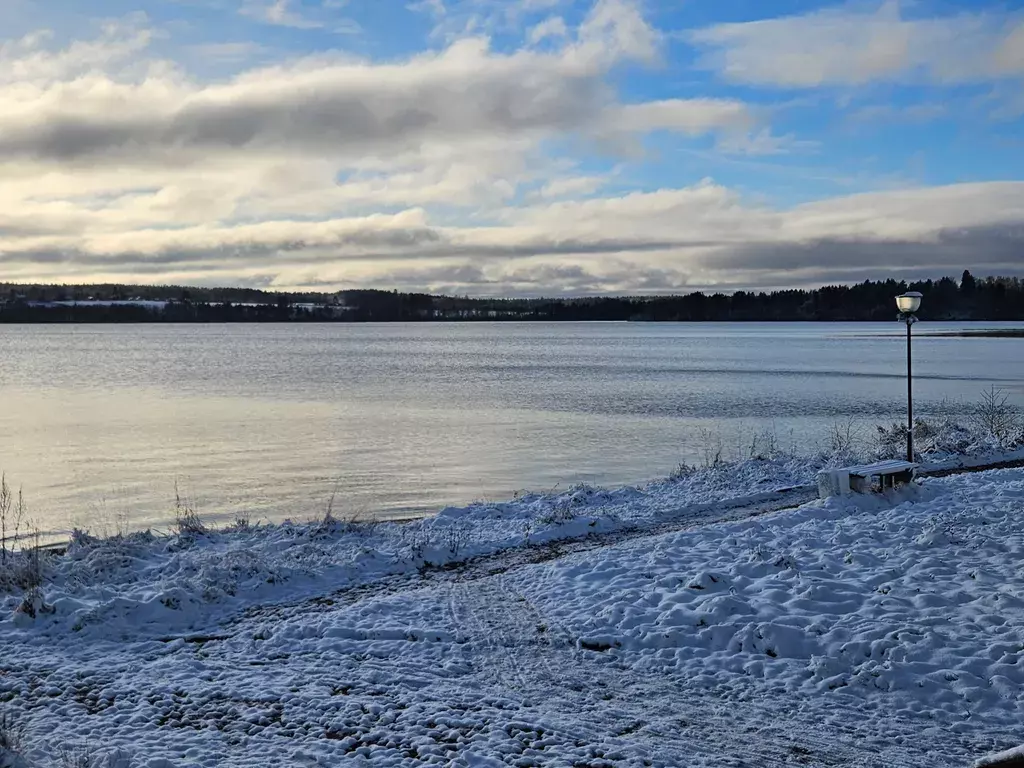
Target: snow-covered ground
684	631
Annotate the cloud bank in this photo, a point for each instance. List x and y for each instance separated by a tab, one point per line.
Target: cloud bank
463	168
852	46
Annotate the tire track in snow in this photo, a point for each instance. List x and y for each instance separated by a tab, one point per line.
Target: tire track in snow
596	695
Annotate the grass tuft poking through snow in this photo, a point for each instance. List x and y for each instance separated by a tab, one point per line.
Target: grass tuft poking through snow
187	521
11	738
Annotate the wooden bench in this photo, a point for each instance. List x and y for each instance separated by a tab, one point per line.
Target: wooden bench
862	478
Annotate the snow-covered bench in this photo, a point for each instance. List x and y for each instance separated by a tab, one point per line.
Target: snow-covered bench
861	478
1011	758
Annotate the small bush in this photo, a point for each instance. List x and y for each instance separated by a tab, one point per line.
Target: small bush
84	756
81	538
996	417
892	441
21	567
455	538
563	511
330	523
33	603
710	447
683	471
764	446
186	519
325	525
11	734
842	438
416	540
12	513
243	521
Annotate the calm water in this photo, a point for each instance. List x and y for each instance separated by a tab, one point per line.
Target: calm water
97	422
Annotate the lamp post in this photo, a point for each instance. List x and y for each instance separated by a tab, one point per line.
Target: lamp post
908	304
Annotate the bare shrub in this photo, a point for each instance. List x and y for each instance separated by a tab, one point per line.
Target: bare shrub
455	538
682	471
764	445
351	522
842	437
417	540
12	512
243	521
81	538
21	566
358	523
87	756
564	511
107	521
28	574
995	416
892	441
327	523
325	526
187	521
33	603
710	447
11	734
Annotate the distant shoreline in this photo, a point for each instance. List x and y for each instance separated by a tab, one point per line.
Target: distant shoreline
983	333
153	319
990	299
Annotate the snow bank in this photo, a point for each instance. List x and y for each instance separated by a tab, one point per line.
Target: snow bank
1007	759
145	583
873	631
919	596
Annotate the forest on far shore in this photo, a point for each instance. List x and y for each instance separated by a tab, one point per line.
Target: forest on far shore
969	298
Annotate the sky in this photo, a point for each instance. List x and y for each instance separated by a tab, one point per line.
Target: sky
510	147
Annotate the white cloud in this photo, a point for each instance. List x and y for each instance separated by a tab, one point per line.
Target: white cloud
690	116
27	61
79	107
539	5
435	8
570	186
333	170
705	232
553	27
876	114
847	46
763	142
615	30
282	13
227	52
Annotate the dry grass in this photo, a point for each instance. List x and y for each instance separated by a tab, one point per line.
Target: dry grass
12	514
187	521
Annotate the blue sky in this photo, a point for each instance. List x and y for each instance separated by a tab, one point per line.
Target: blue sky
510	147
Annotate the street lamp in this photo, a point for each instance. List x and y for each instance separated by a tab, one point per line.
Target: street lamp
908	304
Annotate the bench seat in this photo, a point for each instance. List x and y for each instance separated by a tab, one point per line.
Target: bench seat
860	478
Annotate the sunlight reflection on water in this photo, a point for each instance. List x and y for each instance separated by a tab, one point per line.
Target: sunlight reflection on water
97	422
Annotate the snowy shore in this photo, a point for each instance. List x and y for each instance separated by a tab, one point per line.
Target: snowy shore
663	625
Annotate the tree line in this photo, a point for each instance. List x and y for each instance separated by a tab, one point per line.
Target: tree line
970	298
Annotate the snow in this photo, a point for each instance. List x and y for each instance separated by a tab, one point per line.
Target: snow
1004	757
114	585
665	625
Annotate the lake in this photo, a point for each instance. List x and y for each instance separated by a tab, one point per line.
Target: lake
98	423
